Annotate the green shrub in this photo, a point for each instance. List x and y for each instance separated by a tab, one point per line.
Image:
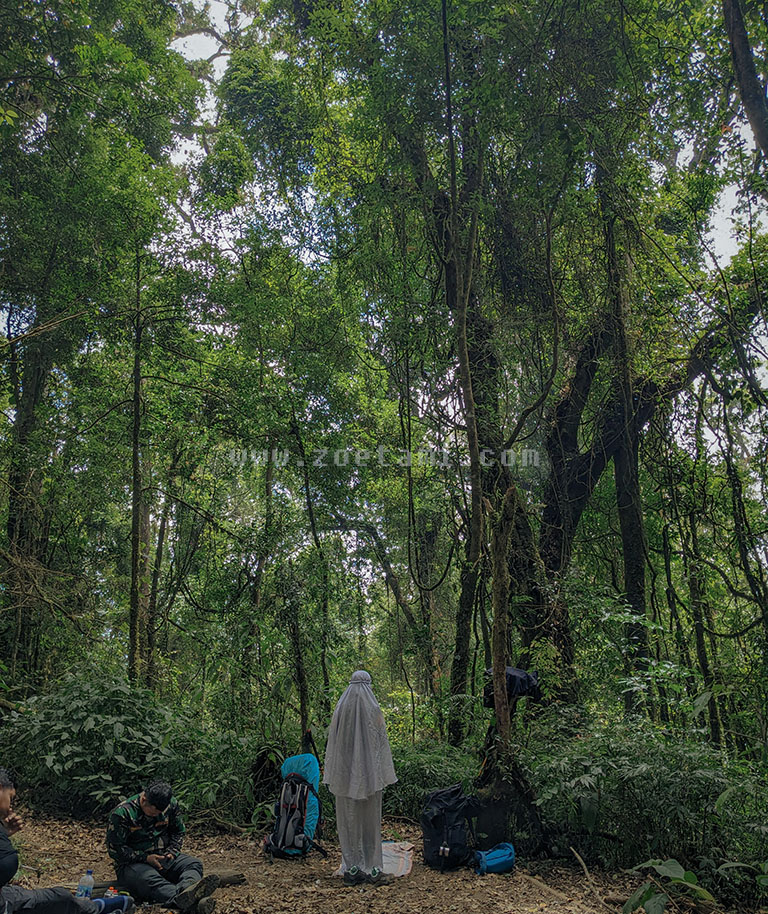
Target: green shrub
218	775
421	769
90	742
407	714
418	718
623	792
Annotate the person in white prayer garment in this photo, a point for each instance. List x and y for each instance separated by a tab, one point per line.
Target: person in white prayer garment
358	766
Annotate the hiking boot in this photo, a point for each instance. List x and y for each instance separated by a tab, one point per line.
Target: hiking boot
187	899
205	906
377	877
354	876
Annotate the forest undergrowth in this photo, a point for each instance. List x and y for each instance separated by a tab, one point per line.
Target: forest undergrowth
620	794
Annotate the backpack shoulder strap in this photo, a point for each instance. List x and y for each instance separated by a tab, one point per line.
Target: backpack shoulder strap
315	846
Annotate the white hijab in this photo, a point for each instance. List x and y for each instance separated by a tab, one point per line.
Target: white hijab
358	759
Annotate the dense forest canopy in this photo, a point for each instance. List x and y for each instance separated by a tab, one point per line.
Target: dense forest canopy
391	335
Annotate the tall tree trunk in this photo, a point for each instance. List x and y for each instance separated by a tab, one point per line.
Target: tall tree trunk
674	615
145	587
458	302
720	696
633	547
625	460
152	614
256	581
426	535
25	582
362	639
325	622
751	90
503	522
747	541
139	509
291	611
459	264
485	627
697	591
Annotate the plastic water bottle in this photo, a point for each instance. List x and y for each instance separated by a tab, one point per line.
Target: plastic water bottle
85	886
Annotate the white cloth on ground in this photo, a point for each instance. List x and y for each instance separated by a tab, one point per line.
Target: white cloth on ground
396	858
358	758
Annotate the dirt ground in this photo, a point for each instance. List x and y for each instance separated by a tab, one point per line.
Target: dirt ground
57	852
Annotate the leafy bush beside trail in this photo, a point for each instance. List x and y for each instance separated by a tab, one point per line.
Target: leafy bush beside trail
624	792
83	747
421	769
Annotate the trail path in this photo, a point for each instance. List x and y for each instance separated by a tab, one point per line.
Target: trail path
57	852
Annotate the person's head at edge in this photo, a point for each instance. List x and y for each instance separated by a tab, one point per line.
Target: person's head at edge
7	794
155	798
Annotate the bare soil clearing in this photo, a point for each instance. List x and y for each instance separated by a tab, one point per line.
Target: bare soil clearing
57	852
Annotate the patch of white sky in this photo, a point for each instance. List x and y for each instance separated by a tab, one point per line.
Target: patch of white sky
724	235
224	235
202	46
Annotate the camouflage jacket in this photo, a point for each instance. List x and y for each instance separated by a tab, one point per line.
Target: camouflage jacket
131	835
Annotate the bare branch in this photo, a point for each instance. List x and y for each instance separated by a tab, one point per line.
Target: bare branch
201	30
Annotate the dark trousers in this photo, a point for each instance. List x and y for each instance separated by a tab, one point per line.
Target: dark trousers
14	898
146	883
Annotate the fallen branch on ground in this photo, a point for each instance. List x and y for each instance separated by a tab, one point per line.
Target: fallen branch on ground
589	879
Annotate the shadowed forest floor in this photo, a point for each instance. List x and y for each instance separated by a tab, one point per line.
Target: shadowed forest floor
57	852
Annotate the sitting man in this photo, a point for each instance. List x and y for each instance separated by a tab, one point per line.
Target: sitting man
39	901
144	839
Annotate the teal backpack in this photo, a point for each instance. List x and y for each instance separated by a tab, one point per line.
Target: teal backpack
499	859
297	811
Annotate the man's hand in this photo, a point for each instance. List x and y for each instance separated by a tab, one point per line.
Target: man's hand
13	823
158	861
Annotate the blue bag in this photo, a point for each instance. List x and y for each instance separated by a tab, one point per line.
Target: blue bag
499	859
297	810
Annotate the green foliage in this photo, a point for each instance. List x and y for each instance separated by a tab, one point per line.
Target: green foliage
301	307
224	172
263	93
217	774
91	742
677	882
95	740
422	768
649	898
620	791
408	714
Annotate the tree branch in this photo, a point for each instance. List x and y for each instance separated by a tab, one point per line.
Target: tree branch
750	88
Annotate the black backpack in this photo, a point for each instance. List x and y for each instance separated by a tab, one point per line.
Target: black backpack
446	827
288	839
520	684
